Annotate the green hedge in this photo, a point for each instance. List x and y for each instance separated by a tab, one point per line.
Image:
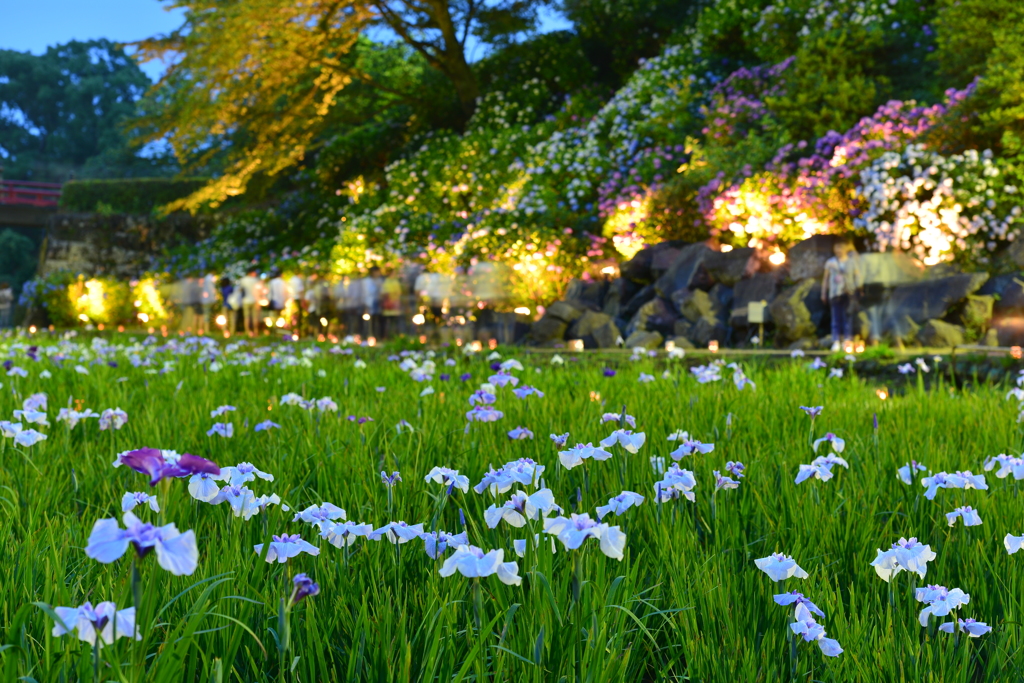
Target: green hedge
129	195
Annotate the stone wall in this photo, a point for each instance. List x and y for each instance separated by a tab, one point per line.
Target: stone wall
695	293
118	244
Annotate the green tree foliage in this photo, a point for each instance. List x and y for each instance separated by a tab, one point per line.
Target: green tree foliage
257	84
61	109
985	38
18	258
616	34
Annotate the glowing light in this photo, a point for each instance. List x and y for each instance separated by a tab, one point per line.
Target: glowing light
595	396
418	319
713	346
476	346
295	337
366	316
859	347
848	347
264	302
371	341
100	327
222	320
882	393
777	258
269	322
83	317
670	345
492	344
323	323
575	344
120	328
280	322
726	248
608	270
423	339
523	310
1015	351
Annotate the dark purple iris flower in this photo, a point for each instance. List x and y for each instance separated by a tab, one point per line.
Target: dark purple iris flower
304	587
608	372
444	377
151	461
495	366
466	377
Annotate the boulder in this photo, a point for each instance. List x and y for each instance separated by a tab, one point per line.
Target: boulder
564	311
939	334
648	340
1016	254
650	262
1009	288
806	259
729	267
587	323
1009	331
760	287
706	329
694	304
920	302
587	295
977	311
548	329
685	271
683	343
612	303
790	313
722	296
991	338
656	314
639	299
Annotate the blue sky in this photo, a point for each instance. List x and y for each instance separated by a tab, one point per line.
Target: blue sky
32	25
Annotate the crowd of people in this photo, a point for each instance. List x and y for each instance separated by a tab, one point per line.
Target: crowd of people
379	304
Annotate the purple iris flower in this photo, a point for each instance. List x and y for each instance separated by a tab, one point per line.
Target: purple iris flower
151	461
391	480
495	366
813	411
608	372
444	377
305	587
265	425
465	377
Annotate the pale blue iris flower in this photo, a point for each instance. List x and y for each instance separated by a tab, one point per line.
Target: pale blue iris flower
175	551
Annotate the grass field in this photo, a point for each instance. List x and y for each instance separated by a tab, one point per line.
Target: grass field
685	602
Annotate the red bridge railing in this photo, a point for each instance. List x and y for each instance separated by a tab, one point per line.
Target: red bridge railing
29	194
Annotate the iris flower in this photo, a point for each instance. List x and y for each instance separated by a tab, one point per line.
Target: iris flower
957	480
625	438
221	410
817	364
909	555
797	598
577	454
472	562
223	429
23	437
780	567
113	418
690	447
560	439
436	543
448	477
909	470
303	587
524	472
344	533
32	417
838	445
735	468
397	532
575	529
969	626
812	411
677	483
967	513
1012	543
242	473
527	390
520	433
175	551
72	417
620	418
503	378
266	425
521	507
154	463
805	626
939	601
620	503
1008	465
284	547
319	515
484	414
820	468
204	487
104	623
724	482
35	402
390	480
130	501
